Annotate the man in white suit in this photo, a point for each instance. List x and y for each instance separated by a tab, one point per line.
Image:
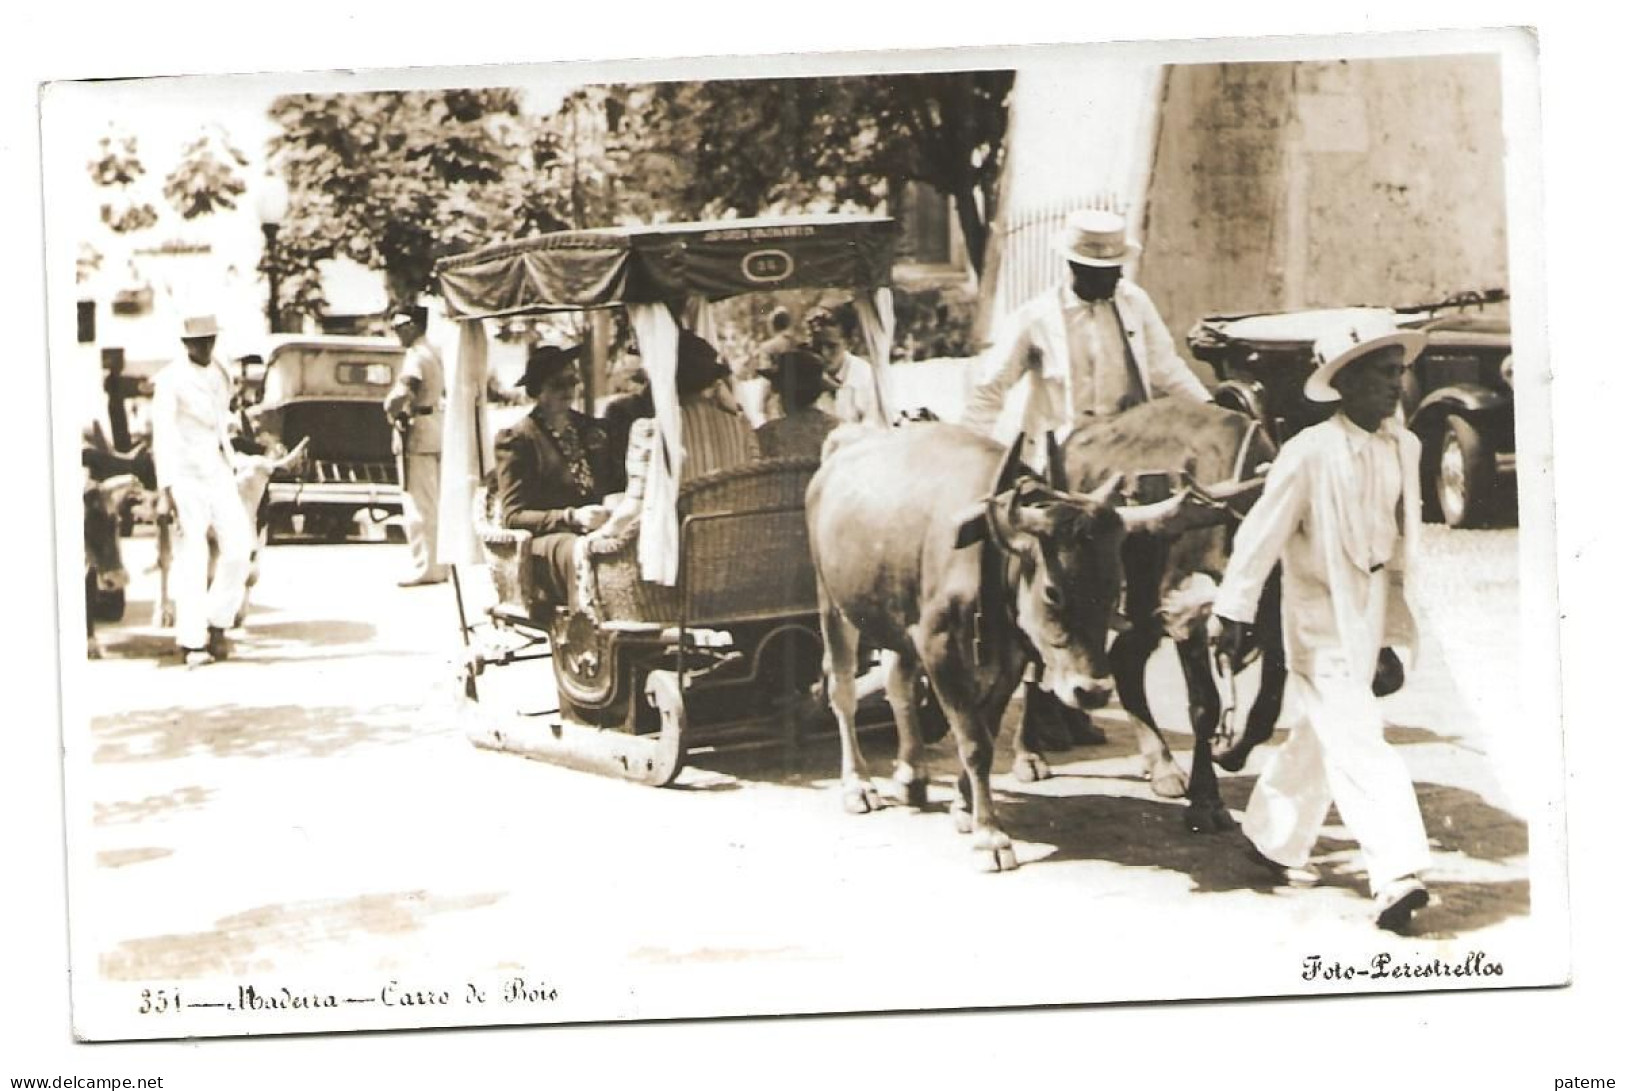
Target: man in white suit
196	470
1340	512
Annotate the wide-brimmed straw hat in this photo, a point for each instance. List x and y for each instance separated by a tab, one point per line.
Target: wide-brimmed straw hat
1095	236
1365	332
199	326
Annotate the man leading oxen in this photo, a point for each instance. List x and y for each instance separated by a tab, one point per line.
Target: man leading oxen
971	580
191	447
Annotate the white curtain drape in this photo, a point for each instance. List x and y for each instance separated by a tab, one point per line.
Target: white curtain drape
657	529
879	324
465	446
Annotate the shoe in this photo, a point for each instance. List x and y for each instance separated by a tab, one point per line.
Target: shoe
1299	877
1398	900
197	657
218	647
419	581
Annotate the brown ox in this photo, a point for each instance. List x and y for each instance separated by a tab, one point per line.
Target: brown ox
104	563
893	519
1170	585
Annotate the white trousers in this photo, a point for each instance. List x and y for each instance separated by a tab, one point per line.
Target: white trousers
201	506
420	515
1337	754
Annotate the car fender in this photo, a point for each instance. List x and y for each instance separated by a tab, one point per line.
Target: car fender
1245	397
1465	399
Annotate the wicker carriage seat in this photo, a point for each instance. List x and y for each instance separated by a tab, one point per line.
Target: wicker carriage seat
743	555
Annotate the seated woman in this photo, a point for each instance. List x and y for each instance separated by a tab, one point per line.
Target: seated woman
799	380
553	470
715	436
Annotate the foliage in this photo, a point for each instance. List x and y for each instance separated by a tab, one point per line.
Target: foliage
117	166
397	179
206	178
750	147
933	322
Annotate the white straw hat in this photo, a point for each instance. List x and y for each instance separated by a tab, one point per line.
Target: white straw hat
199	325
1364	332
1095	236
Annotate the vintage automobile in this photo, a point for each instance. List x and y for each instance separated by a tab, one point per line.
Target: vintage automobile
330	390
1457	396
723	648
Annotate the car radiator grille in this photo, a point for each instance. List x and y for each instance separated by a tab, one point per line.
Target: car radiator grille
334	472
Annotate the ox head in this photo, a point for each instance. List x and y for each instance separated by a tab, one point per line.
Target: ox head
1069	552
103	500
1069	574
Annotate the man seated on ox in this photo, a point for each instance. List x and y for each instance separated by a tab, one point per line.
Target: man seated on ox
1085	350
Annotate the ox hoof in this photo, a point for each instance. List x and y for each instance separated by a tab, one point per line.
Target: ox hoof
995	853
93	650
994	861
861	799
962	820
1030	767
910	793
1167	780
1208	818
1234	760
166	618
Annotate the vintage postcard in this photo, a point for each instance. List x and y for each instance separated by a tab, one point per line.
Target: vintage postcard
682	539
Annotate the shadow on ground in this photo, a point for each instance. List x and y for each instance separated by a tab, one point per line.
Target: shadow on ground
253	941
251	731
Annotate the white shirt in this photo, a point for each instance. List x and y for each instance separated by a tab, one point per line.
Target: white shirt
1061	344
855	402
191	416
1099	372
1341	511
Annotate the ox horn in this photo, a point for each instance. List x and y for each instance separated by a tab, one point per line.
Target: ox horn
1010	468
1054	470
293	457
1191	508
1107	491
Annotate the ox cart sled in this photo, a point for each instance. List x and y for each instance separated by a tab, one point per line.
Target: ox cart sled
702	631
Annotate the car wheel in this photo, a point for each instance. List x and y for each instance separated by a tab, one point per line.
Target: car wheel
1463	473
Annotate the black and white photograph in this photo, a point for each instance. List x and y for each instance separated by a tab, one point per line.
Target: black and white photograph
831	534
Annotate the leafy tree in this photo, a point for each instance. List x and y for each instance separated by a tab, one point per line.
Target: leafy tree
756	146
206	178
397	179
117	166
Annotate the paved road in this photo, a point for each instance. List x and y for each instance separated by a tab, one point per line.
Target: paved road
308	814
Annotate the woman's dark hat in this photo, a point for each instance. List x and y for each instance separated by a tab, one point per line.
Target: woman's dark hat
544	362
697	364
800	369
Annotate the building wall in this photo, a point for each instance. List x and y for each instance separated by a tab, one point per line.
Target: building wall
1277	186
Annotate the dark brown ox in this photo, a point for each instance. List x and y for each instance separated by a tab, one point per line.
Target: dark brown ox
1170	583
104	563
933	543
